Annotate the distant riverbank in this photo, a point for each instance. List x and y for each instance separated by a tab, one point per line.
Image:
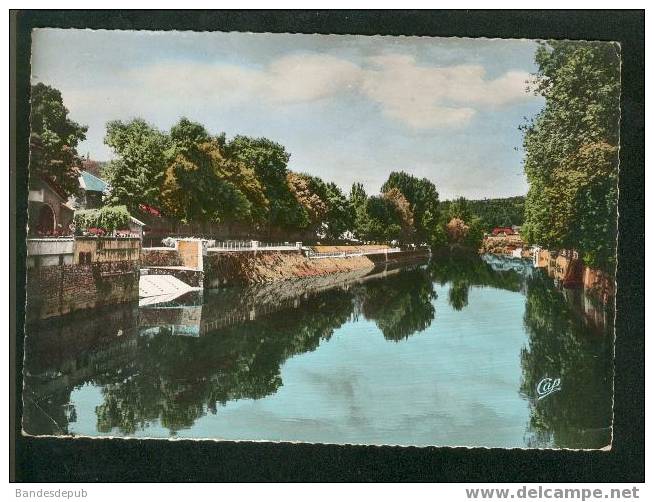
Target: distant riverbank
230	268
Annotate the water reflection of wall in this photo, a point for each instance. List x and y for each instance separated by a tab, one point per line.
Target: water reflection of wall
562	345
570	337
173	380
159	377
64	353
196	314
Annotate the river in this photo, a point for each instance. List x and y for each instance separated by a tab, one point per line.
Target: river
449	353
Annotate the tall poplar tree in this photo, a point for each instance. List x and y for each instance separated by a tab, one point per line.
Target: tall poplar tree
571	149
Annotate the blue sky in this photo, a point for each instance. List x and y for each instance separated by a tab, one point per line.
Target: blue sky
347	108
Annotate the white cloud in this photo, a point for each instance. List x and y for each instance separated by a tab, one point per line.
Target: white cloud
290	79
420	97
432	96
308	77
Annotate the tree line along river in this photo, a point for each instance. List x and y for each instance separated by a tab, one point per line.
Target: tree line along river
445	353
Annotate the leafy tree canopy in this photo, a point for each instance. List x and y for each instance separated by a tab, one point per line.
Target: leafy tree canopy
143	153
422	197
340	215
571	150
53	140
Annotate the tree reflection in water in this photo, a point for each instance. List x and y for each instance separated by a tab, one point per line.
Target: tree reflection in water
180	378
401	305
148	375
462	272
561	345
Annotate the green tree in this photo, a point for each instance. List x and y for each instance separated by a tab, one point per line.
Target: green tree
269	161
475	233
382	218
459	208
358	199
194	190
187	136
571	150
340	214
423	199
143	153
53	140
378	220
501	212
358	195
311	193
403	214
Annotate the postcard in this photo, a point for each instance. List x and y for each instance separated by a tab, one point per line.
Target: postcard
344	239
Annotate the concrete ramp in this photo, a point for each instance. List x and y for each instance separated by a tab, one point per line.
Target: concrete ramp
164	286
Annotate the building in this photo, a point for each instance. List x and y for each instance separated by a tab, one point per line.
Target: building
503	231
92	189
136	227
50	213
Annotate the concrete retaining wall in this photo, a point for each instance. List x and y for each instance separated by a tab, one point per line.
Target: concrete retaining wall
160	257
60	289
400	257
108	249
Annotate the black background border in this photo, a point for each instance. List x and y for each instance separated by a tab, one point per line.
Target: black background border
120	460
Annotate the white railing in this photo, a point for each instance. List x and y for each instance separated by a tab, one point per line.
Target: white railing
254	245
346	254
382	250
341	254
233	245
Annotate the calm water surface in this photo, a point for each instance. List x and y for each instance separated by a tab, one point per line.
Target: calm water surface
448	353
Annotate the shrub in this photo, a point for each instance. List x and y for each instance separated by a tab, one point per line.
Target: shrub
108	218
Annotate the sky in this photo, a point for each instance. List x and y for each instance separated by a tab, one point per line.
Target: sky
348	108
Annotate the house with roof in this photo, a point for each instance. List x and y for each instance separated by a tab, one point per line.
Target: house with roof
505	231
50	213
92	190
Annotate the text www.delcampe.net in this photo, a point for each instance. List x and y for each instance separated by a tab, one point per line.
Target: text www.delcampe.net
543	492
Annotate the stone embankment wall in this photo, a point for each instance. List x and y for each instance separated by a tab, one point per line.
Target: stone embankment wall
60	289
103	249
596	283
160	257
229	268
104	271
402	256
